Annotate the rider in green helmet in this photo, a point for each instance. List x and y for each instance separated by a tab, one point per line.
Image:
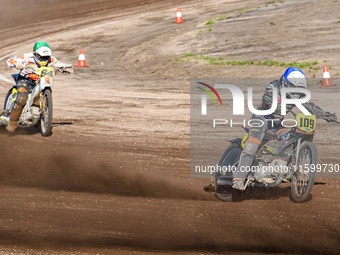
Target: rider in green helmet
28	63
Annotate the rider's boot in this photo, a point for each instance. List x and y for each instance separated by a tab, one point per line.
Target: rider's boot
246	159
238	184
14	118
17	109
12	126
248	154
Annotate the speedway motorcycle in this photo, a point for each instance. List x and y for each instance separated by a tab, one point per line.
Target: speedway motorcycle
38	109
289	157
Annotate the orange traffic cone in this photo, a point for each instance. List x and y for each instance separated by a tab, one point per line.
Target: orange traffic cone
327	81
179	16
81	60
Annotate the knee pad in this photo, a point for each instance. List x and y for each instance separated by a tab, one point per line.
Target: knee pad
21	99
251	148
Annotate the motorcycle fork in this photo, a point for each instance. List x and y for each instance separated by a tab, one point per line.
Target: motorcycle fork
42	101
32	98
297	155
35	96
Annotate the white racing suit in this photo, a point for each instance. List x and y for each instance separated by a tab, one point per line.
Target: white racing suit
26	81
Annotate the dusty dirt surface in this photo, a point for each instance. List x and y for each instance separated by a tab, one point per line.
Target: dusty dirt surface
114	176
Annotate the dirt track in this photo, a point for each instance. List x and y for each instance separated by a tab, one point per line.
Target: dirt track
114	176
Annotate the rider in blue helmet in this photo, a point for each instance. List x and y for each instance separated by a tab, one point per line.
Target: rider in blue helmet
292	78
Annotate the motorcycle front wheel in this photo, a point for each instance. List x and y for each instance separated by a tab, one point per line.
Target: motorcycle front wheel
304	176
46	107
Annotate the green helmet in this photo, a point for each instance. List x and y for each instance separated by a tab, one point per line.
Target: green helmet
40	44
42	53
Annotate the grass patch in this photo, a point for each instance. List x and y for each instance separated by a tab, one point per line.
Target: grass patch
210	23
303	64
338	22
272	23
189	57
221	18
244	10
200	32
269	3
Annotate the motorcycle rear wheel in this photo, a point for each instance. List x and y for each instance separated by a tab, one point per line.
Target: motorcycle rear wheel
46	106
303	177
7	103
229	157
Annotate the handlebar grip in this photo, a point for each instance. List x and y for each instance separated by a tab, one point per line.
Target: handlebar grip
329	119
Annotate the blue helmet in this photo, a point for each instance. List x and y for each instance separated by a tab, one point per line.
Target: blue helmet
293	78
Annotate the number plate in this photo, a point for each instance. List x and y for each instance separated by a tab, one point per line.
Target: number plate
306	123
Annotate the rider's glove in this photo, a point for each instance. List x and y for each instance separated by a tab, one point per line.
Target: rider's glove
67	70
330	117
31	69
19	65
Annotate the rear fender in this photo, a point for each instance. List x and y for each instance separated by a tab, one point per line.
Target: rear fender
238	141
15	77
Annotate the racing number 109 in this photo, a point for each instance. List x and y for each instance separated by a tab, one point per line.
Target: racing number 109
307	123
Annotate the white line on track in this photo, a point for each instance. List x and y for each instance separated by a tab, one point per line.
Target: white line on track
5	79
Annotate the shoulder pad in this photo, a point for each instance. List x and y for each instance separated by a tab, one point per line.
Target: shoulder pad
273	84
53	60
27	55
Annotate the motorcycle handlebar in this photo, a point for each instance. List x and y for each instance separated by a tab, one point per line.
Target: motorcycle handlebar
62	69
30	68
329	120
